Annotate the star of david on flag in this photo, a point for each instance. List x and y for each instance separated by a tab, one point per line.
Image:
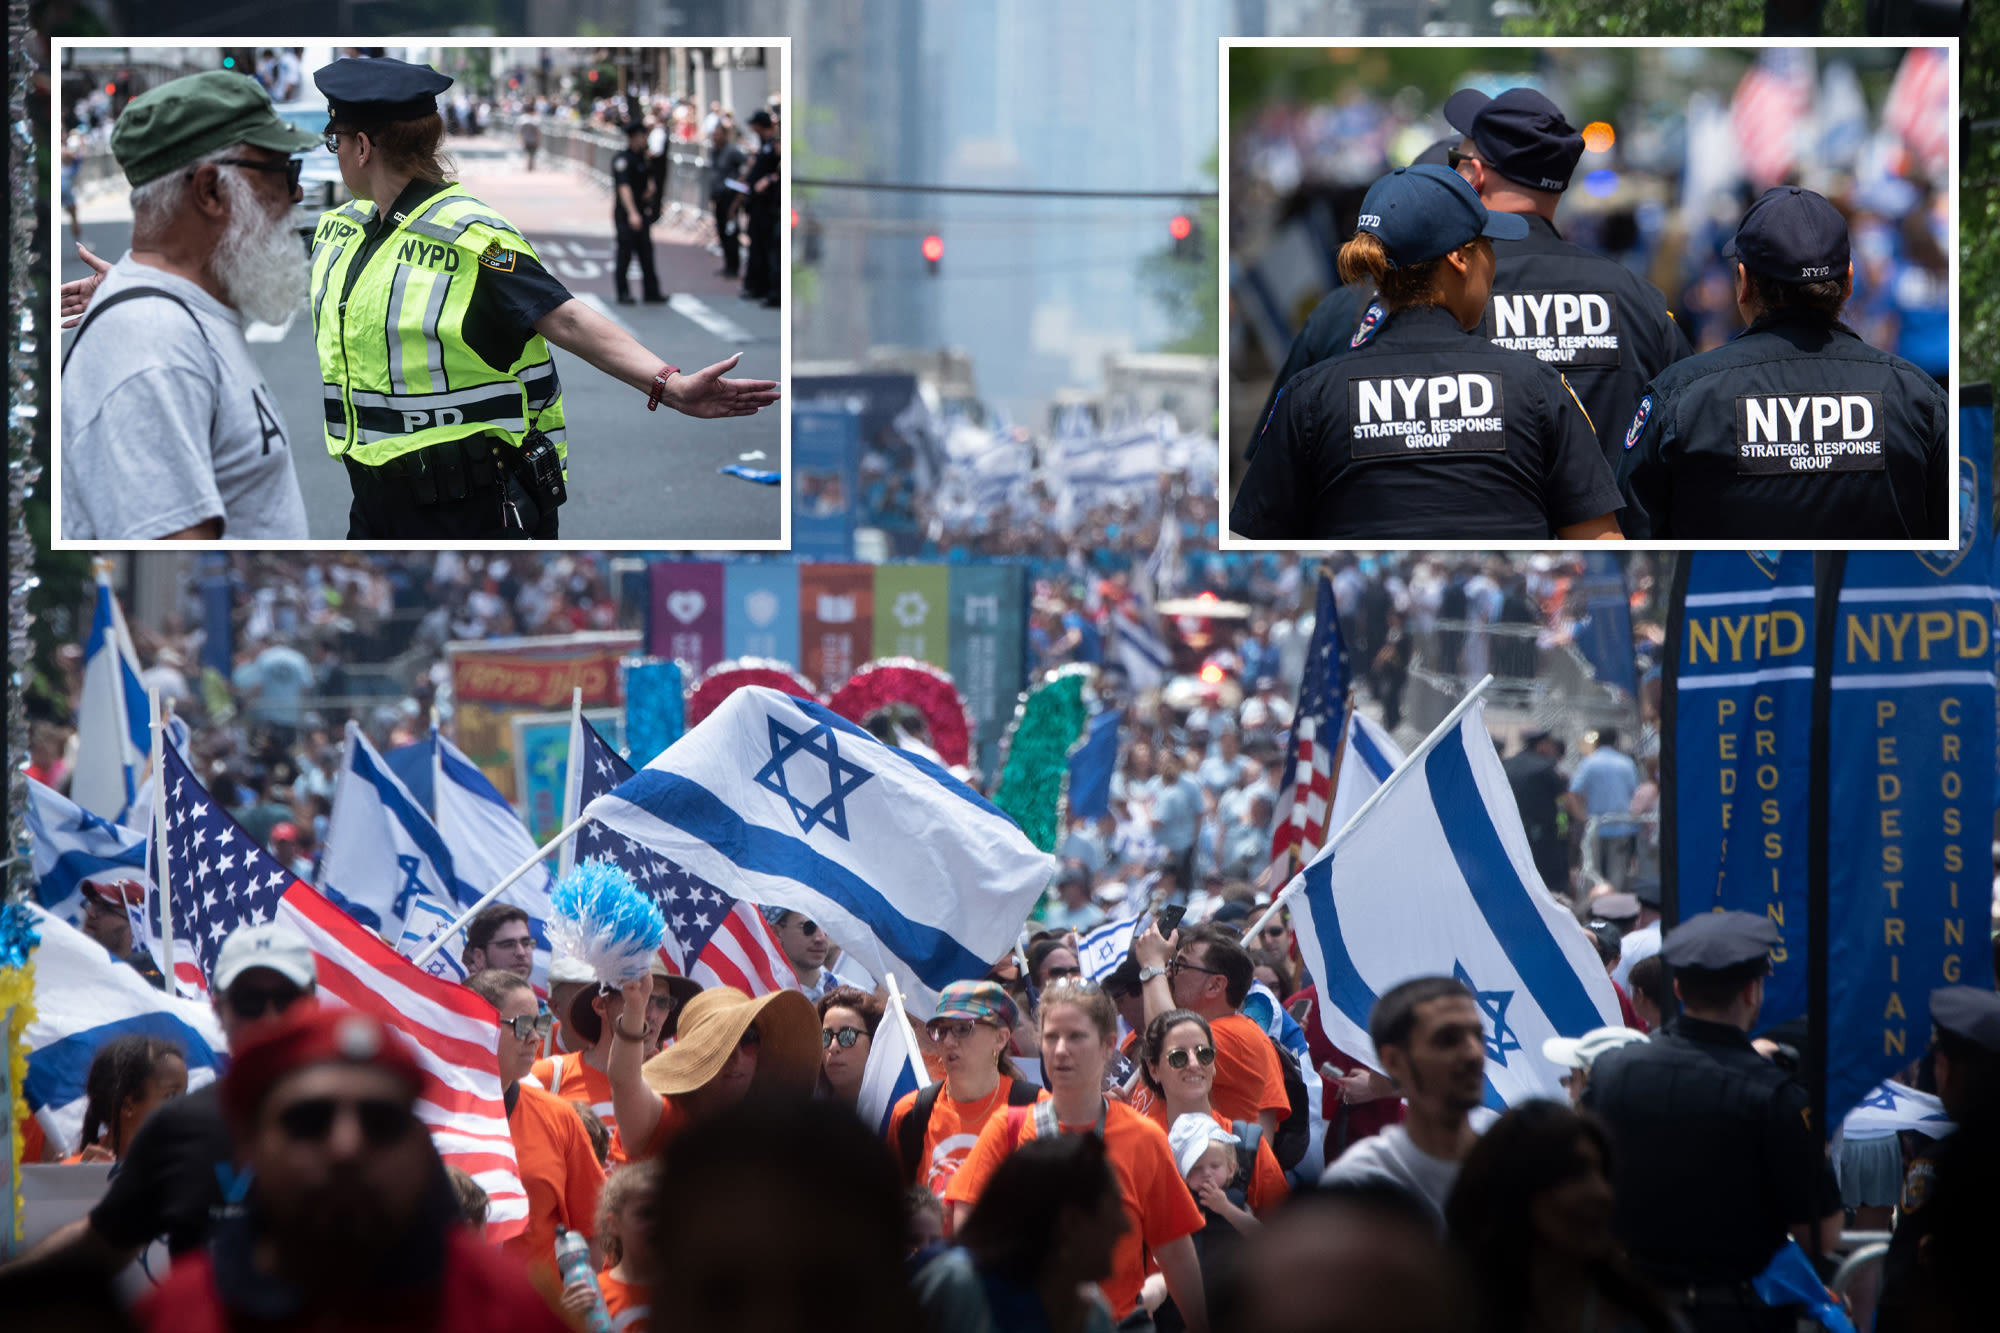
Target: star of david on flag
1499	1038
822	744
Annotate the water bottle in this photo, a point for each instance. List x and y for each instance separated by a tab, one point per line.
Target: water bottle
573	1260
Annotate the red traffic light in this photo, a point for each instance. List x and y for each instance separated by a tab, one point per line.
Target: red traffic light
592	76
1179	227
110	90
934	248
795	217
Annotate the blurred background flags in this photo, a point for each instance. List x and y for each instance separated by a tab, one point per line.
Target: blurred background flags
1437	880
382	850
113	721
1091	766
1919	107
71	843
1772	110
487	840
1141	650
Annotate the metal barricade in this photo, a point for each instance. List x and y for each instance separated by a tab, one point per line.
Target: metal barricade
589	150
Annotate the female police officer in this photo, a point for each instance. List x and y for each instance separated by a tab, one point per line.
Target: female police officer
1425	430
433	319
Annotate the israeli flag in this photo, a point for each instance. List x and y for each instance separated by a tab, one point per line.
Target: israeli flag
1892	1107
1371	756
382	851
425	921
894	1069
113	718
83	998
785	803
1102	950
487	840
1436	880
71	844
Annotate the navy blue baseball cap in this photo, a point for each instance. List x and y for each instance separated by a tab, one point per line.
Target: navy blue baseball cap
379	89
1422	212
1718	941
1792	235
1520	134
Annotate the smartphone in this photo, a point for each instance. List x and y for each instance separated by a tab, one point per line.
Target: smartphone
1169	919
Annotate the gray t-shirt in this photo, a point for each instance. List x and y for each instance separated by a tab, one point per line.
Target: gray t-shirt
162	430
1391	1156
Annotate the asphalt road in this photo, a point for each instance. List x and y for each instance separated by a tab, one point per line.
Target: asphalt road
633	475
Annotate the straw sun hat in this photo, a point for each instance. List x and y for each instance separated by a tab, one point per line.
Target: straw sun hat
713	1023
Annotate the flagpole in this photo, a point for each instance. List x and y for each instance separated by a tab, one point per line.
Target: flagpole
554	845
1410	761
909	1033
572	777
165	886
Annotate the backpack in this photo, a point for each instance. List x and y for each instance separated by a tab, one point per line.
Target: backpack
910	1134
1294	1134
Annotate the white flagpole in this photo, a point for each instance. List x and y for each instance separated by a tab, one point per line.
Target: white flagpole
572	778
1410	761
553	846
902	1016
165	886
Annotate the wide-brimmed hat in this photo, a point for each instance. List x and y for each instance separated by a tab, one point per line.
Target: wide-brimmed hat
713	1022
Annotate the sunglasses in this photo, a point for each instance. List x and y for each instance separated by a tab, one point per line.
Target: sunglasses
845	1036
526	1026
1180	965
1058	973
291	166
1177	1058
1454	157
959	1029
252	1002
383	1121
808	928
751	1039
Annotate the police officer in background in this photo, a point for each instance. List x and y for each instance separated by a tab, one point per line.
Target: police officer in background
1965	1057
1604	327
1797	428
1426	430
631	186
1717	1159
760	272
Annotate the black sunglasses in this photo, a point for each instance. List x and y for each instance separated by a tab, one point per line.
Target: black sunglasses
845	1036
1454	157
252	1002
750	1038
291	166
538	1025
1177	1058
1058	973
808	928
1178	965
383	1121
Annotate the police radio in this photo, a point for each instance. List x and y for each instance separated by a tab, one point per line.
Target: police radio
541	470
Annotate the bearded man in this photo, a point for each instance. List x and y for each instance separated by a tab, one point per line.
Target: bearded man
168	428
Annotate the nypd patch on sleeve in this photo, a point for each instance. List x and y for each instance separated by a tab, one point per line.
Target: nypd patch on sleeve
1794	433
496	257
1423	416
1639	420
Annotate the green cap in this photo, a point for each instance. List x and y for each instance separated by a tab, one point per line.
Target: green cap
191	117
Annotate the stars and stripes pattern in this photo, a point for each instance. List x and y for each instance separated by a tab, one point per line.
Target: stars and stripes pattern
1919	107
711	937
1298	822
217	877
1773	103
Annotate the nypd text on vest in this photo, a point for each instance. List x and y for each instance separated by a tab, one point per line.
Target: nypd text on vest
1565	328
1809	432
1406	416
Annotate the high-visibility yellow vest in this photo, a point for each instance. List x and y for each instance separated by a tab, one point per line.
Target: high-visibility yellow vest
397	374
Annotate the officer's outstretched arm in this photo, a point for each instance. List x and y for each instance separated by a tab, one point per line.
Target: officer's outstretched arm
575	327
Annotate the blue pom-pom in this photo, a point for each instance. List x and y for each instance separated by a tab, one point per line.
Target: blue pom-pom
603	921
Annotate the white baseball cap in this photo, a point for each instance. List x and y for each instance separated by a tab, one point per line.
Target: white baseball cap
1582	1052
272	945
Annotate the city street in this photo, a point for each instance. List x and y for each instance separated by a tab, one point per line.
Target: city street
633	476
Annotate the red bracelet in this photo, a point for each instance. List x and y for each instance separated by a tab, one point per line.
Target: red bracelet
659	387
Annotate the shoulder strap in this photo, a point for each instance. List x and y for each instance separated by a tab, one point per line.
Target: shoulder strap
1023	1093
910	1135
131	294
1046	1126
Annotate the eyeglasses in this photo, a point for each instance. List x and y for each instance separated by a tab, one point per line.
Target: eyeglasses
1177	1058
291	166
957	1029
530	1025
1182	965
1454	157
750	1039
845	1036
383	1121
252	1002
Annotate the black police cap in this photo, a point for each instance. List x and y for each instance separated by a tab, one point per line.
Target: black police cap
1520	134
1968	1012
1718	941
1792	235
379	89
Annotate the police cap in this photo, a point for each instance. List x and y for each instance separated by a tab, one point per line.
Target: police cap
1647	891
1968	1012
1520	134
1423	212
1792	235
1718	941
379	89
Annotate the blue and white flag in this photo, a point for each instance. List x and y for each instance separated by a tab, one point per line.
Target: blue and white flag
425	921
1261	1007
1892	1108
783	802
382	851
83	998
72	844
1437	880
1140	649
113	718
1091	766
894	1069
487	841
1101	951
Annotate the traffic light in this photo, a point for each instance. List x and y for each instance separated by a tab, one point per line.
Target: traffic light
933	251
1187	237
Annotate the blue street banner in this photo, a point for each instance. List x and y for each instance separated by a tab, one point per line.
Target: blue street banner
1736	779
762	619
1604	635
826	459
1907	654
989	648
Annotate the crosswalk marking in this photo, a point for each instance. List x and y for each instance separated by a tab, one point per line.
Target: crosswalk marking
702	313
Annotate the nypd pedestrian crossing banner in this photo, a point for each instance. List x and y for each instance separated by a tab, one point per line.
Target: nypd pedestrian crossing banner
1902	898
1562	328
785	803
1403	416
1736	778
1436	879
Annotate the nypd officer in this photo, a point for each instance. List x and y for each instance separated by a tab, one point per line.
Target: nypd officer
1426	430
1797	428
632	211
1965	1057
1717	1158
1604	327
434	317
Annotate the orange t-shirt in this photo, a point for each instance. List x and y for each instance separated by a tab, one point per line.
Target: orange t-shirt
560	1173
673	1119
1156	1199
953	1129
1267	1187
568	1077
629	1303
1248	1077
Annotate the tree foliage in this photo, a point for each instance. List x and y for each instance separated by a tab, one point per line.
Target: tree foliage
1671	18
1979	199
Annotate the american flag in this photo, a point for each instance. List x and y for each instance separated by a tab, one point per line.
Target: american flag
1325	701
1773	104
1919	107
714	938
221	879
